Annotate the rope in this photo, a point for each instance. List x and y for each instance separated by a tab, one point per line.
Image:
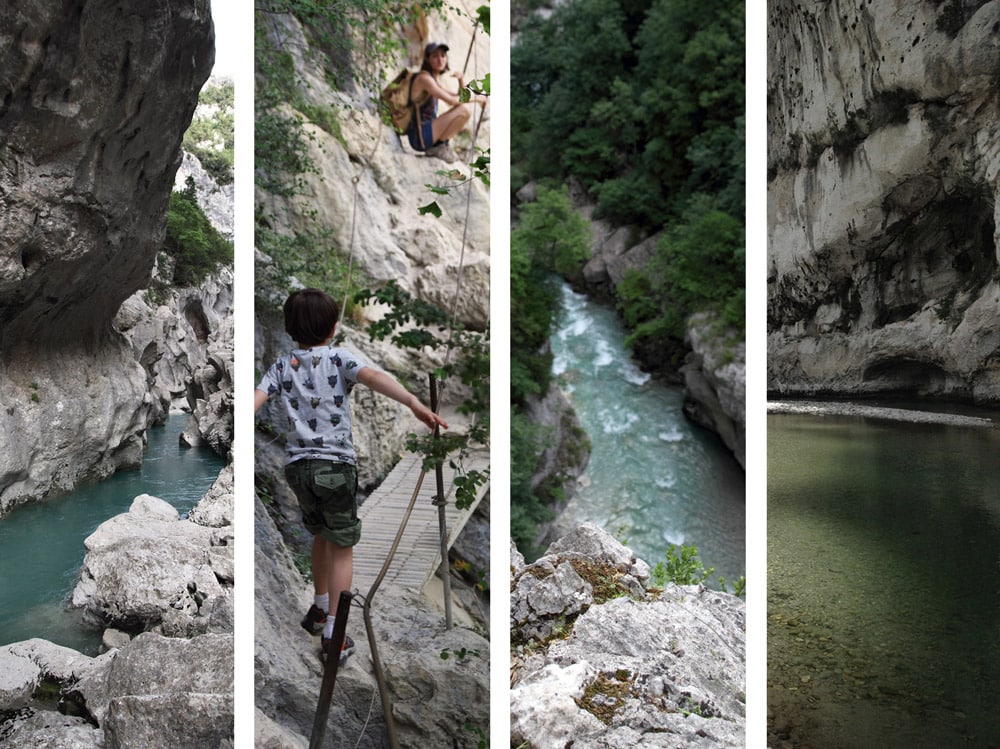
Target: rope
354	219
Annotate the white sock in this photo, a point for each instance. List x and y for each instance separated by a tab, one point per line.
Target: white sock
322	602
328	629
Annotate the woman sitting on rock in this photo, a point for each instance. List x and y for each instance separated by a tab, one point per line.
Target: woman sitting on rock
428	132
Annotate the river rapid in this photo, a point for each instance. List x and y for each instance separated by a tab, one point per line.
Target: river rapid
41	543
654	478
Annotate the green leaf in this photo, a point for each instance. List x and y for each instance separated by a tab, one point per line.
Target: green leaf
432	208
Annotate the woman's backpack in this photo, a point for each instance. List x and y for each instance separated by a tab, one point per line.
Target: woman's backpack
397	103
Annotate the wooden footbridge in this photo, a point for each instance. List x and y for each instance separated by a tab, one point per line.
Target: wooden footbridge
419	554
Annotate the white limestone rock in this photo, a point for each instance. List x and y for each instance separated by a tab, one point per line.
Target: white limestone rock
19	677
883	156
146	568
637	669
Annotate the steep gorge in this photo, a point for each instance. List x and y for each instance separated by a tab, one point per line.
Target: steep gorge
884	170
95	100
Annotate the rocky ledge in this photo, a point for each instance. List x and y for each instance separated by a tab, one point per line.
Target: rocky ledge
842	408
168	582
602	662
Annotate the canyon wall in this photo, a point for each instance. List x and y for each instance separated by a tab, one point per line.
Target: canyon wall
884	169
95	100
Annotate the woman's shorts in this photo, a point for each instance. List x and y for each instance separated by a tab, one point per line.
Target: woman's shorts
328	497
414	136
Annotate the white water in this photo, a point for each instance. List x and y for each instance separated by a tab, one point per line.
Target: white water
654	479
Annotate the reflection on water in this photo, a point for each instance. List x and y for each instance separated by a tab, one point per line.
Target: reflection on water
41	543
654	478
883	584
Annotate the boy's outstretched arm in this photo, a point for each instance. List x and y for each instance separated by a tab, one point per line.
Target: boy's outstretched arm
259	399
382	383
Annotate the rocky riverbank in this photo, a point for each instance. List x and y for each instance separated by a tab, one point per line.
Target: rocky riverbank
599	660
162	589
910	416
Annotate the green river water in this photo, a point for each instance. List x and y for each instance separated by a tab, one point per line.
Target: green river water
41	543
883	561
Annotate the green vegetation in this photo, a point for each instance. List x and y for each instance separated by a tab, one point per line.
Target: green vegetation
683	567
211	134
195	245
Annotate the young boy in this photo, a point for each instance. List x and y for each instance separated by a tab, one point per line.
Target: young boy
313	383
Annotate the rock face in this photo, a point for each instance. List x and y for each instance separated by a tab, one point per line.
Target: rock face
601	663
715	382
392	241
95	100
884	156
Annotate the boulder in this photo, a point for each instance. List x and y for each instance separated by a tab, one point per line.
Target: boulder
141	689
614	665
52	730
19	677
146	568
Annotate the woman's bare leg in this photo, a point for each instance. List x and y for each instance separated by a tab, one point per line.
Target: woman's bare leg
448	125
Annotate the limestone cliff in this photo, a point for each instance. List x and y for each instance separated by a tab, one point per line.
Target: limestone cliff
95	100
368	185
361	201
884	169
600	661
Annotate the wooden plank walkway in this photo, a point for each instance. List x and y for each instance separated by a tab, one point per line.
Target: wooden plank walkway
419	553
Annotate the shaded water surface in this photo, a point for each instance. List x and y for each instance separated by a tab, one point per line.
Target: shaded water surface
883	584
41	543
654	478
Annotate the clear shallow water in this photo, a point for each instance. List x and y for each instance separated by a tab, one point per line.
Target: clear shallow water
654	479
883	584
41	543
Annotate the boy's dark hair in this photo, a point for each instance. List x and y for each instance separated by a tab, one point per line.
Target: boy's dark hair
310	315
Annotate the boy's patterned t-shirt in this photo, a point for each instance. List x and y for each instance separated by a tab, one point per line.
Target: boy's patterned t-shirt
313	386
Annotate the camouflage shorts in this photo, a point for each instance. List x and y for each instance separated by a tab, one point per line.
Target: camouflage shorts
327	493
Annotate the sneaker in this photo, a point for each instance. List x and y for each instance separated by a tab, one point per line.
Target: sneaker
442	151
314	620
344	651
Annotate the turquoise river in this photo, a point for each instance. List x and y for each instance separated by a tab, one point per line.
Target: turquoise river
654	478
41	543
